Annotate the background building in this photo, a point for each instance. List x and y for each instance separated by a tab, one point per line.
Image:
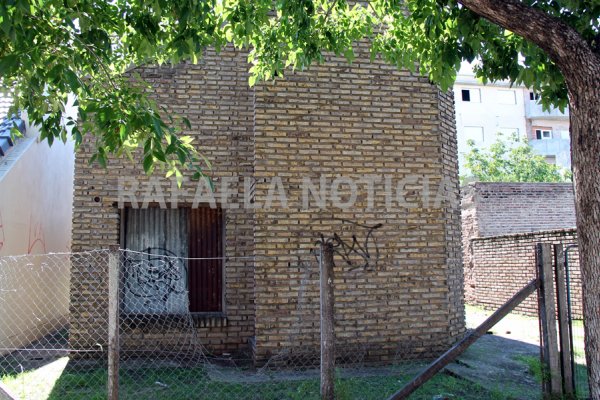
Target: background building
36	192
484	111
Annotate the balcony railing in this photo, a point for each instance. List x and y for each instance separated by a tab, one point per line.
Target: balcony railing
534	110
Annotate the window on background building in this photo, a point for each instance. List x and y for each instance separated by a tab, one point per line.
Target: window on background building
471	95
543	134
506	96
190	277
474	133
534	96
551	159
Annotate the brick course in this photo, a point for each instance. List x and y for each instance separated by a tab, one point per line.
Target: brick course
333	120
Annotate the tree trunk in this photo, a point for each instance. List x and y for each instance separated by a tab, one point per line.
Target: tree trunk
580	66
584	93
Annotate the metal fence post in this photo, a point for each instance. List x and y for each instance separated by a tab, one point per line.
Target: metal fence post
327	322
552	384
113	323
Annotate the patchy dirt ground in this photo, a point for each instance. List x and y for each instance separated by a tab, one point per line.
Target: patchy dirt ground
495	361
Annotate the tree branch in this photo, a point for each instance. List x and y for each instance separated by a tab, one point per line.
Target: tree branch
560	41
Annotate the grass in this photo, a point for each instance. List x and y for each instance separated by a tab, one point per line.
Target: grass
535	368
64	379
59	381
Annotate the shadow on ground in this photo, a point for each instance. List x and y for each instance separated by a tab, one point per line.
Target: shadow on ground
495	362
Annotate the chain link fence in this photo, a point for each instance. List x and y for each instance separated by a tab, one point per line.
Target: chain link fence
164	354
37	349
55	329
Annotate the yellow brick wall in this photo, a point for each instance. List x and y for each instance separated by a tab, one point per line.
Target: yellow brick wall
333	120
350	120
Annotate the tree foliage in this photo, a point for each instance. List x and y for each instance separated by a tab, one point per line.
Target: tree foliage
49	48
510	160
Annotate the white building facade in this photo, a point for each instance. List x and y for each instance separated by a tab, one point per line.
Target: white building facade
485	111
36	212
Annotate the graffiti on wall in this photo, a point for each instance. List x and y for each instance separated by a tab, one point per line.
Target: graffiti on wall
155	281
361	250
1	232
37	241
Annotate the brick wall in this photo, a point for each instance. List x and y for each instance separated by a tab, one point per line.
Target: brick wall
503	208
215	97
334	120
504	264
451	213
350	120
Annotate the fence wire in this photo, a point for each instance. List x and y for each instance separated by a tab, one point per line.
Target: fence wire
53	336
39	343
164	354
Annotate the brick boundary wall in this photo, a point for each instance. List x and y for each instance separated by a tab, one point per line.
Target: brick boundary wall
504	264
491	209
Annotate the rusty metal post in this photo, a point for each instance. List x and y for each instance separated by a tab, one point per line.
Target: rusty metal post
327	322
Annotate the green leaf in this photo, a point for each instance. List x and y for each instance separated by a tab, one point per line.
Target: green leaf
123	132
148	164
156	123
72	79
159	155
9	64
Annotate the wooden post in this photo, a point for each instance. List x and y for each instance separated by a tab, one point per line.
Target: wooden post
327	323
464	344
563	319
551	385
113	323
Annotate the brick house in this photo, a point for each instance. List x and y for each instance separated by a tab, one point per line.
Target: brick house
334	120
